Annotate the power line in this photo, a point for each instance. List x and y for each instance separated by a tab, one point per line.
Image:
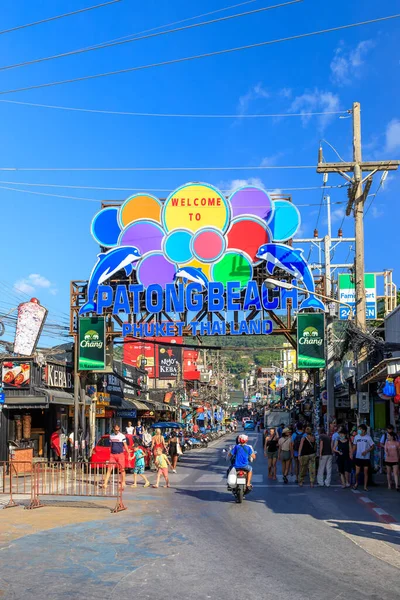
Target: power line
127	169
70	14
199	56
145	37
168	190
177	115
97	201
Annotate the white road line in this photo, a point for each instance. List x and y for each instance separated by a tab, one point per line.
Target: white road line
380	511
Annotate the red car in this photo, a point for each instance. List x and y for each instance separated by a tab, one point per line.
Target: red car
101	451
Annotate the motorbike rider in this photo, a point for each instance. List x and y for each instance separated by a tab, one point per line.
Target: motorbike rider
242	453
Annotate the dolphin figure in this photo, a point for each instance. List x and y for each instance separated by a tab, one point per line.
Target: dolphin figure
192	274
292	261
108	264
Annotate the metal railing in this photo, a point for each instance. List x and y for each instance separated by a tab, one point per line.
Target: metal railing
60	479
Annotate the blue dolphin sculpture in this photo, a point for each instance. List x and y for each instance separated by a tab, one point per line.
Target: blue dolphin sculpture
192	274
108	264
292	261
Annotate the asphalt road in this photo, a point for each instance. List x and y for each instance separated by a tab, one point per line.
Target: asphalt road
193	542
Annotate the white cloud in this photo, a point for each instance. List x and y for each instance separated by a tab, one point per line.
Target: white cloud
393	135
34	281
337	214
255	93
230	186
24	287
346	63
286	92
53	291
269	161
376	213
316	101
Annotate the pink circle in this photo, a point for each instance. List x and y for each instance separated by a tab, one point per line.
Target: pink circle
208	244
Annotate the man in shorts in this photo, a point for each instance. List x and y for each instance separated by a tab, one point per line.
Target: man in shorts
362	446
241	455
117	455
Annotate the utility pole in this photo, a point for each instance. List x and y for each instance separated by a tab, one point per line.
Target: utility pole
358	193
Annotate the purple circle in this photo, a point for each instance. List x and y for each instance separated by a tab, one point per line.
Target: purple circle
144	235
251	201
155	268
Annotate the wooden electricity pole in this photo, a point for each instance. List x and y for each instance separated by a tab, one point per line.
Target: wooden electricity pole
357	196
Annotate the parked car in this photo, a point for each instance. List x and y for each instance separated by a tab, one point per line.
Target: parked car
102	450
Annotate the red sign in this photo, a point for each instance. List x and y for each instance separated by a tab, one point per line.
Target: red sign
147	354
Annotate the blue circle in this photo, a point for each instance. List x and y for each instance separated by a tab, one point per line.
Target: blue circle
285	221
105	227
177	246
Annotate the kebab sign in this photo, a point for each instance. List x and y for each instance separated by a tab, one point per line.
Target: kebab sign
16	374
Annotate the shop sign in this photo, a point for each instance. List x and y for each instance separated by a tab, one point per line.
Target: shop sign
30	321
311	341
141	355
102	399
196	250
92	347
149	414
113	385
16	374
58	376
127	414
169	361
347	294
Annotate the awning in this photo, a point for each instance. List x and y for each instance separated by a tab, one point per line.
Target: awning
389	367
57	396
139	405
153	405
26	402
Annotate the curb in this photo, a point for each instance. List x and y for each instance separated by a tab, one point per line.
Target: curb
379	513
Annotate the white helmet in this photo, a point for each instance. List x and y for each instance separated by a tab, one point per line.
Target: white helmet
243	439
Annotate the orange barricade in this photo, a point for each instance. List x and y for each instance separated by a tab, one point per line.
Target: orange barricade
76	479
40	479
16	479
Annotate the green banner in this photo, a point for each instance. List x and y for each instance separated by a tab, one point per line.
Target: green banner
92	347
311	341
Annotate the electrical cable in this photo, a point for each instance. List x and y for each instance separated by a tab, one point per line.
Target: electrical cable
333	148
70	14
127	169
176	115
145	37
375	193
199	56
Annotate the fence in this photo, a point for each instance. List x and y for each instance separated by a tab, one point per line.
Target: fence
61	479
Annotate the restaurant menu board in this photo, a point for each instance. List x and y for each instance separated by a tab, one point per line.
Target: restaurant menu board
30	321
16	375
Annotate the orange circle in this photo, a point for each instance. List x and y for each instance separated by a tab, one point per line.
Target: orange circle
140	207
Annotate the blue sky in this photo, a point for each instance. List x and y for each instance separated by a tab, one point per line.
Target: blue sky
45	240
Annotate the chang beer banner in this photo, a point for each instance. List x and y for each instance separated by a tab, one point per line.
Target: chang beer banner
92	347
311	341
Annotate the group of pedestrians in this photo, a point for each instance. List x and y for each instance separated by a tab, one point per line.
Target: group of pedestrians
298	449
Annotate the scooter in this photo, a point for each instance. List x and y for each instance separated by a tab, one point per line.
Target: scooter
237	484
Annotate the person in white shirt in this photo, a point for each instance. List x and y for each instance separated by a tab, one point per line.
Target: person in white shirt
362	446
130	429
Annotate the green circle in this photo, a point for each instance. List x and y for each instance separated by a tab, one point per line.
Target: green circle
233	266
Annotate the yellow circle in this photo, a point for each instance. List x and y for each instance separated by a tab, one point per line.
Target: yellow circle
194	206
205	267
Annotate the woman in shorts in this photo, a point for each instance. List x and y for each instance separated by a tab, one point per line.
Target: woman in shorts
285	453
271	450
341	448
392	454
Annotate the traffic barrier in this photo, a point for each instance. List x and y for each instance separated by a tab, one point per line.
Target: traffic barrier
16	479
76	479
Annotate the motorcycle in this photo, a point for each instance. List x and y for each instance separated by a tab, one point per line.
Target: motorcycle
237	484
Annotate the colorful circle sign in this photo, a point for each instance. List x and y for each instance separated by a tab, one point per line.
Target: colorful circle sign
144	235
105	227
234	266
195	206
138	207
286	220
248	234
155	268
177	246
251	200
208	245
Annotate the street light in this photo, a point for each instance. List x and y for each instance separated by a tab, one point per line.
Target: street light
271	283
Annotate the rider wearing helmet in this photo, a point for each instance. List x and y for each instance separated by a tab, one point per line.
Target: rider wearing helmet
241	455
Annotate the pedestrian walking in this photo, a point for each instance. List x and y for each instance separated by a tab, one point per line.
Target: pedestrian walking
325	459
117	455
297	436
362	446
174	448
342	449
271	450
285	453
392	456
129	428
139	467
162	464
307	453
158	443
